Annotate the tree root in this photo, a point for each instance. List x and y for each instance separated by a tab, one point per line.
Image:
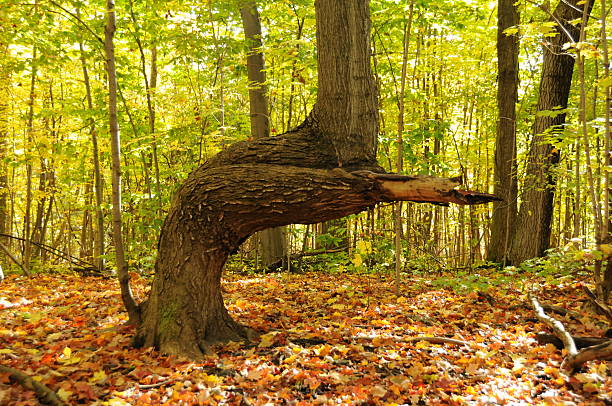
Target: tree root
45	395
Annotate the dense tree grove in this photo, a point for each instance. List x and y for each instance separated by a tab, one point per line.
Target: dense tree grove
183	96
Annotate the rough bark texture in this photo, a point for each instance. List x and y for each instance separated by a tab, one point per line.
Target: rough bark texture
532	235
319	172
504	213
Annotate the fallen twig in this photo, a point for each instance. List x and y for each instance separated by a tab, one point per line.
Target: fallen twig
556	325
43	393
156	385
430	339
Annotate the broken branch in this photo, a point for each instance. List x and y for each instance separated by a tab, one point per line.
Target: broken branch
43	393
555	325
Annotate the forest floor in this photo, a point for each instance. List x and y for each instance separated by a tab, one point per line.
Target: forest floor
330	338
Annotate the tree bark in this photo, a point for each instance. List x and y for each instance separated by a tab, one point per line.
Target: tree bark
99	250
532	235
122	269
504	213
4	108
273	247
318	172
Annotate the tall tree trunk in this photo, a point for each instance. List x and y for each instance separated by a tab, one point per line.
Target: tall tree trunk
532	234
4	133
397	208
27	218
504	213
273	247
99	251
318	172
122	269
607	203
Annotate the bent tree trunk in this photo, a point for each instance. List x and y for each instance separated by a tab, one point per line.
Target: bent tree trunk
321	171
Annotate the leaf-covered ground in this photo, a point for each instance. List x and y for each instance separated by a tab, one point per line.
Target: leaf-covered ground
330	339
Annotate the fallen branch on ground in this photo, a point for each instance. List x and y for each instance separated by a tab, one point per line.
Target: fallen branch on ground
555	325
581	342
43	393
602	351
430	339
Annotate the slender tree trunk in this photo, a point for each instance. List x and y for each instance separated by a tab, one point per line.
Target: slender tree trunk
122	269
532	235
607	205
97	172
397	218
27	220
4	134
504	213
273	249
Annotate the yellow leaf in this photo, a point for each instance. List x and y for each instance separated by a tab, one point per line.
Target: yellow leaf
357	260
116	402
361	246
67	352
267	339
6	351
98	376
378	391
606	249
64	394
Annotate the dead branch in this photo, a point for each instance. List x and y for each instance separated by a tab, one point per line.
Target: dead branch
43	393
14	259
156	385
555	325
430	339
581	341
602	351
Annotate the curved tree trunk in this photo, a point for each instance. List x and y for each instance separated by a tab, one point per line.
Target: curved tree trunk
532	235
319	172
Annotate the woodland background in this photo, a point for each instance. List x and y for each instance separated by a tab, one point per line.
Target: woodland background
184	96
